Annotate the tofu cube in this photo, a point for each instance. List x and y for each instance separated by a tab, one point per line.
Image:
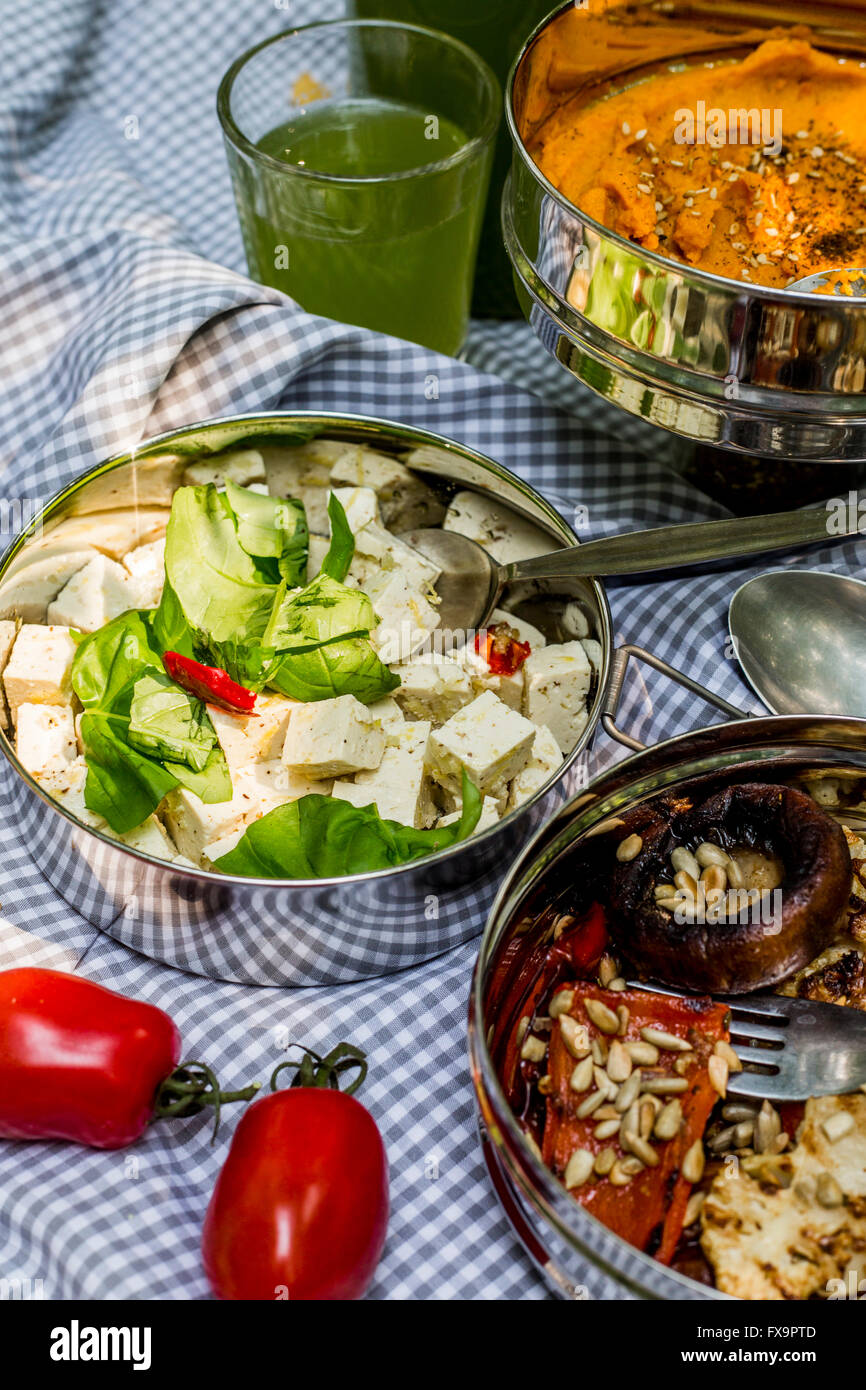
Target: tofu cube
360	505
241	466
543	762
102	590
489	816
432	687
146	567
38	668
45	738
319	546
398	787
501	531
404	500
258	737
36	577
302	471
526	631
406	619
7	637
67	788
557	683
331	738
193	824
492	742
151	837
374	543
388	715
509	689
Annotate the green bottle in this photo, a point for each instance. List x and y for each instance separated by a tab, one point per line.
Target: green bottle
497	30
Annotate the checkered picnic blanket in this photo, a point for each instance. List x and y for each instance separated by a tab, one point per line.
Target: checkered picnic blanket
126	311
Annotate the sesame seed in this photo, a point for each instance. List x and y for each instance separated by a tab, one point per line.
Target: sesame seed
626	128
816	152
793	178
641	135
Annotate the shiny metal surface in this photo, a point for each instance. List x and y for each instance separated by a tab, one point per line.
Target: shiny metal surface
800	638
753	370
475	581
583	1250
265	931
844	280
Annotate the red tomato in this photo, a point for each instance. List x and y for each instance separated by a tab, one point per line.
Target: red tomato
300	1208
78	1061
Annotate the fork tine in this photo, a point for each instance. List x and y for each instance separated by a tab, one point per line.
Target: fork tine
759	1056
750	1085
763	1031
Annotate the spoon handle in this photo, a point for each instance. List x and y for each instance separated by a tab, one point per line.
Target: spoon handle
669	547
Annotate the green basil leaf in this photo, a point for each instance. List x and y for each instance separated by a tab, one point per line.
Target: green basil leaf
342	548
321	837
108	660
272	528
169	723
171	631
123	786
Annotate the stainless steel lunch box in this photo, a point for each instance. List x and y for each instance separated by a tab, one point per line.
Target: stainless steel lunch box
578	1256
262	931
753	370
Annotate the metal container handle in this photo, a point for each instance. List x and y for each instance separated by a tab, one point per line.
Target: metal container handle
613	695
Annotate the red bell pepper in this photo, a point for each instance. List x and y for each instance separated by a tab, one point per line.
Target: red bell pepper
79	1062
209	683
655	1201
300	1209
500	647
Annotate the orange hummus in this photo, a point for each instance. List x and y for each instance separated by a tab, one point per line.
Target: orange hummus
753	169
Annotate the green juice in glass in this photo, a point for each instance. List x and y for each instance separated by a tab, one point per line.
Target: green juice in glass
364	244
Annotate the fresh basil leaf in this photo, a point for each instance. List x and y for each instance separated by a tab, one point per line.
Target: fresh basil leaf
342	548
213	783
321	636
108	660
272	528
321	837
169	723
220	590
171	631
123	786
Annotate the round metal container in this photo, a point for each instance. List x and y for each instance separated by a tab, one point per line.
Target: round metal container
277	932
577	1254
758	371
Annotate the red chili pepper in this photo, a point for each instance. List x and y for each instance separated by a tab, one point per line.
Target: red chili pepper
500	648
300	1209
210	683
79	1062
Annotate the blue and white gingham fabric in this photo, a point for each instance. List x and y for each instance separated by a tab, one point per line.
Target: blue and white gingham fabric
126	311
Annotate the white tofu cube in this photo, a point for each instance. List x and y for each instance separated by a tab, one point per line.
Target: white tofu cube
330	738
67	787
593	652
360	505
489	816
115	532
241	466
526	631
7	637
319	546
501	531
399	786
432	687
404	500
258	737
492	742
102	590
45	738
574	621
543	762
406	619
557	682
224	845
146	566
36	578
374	543
302	471
38	668
388	715
508	688
193	824
151	837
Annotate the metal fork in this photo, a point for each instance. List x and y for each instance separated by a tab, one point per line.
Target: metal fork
791	1049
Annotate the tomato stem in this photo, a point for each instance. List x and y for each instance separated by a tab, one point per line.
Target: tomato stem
317	1071
191	1087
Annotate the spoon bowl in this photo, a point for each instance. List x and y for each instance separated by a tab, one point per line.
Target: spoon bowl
800	638
847	281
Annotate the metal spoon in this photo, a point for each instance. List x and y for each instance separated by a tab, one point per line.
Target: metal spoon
472	581
800	637
848	282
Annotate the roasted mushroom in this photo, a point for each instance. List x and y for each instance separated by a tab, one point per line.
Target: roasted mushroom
708	940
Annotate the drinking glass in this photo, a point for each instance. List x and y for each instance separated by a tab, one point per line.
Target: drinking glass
360	156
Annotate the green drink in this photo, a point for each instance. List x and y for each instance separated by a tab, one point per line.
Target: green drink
364	207
497	29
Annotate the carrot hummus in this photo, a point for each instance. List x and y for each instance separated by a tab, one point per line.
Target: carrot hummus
754	169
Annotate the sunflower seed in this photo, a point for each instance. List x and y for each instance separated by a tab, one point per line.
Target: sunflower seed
647	1117
717	1069
694	1162
533	1050
669	1041
607	1129
578	1168
591	1104
575	1036
722	1141
618	1176
599	1051
604	1018
736	1111
604	1161
631	846
641	1149
706	853
744	1134
724	1049
581	1077
561	1003
643	1053
693	1208
685	862
619	1063
668	1120
767	1126
665	1085
828	1191
628	1092
607	970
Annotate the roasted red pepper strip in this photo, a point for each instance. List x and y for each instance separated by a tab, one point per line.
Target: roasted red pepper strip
209	683
656	1198
501	649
